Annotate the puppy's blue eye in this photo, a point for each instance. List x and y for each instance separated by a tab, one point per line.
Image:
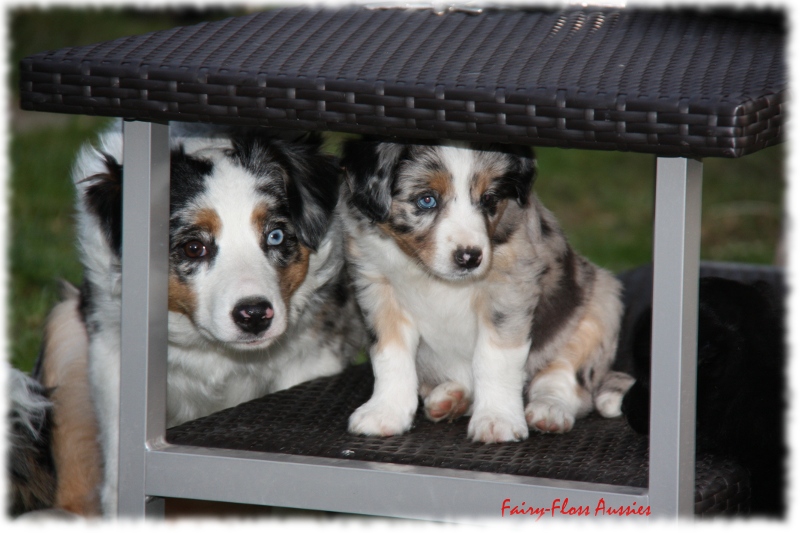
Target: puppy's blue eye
275	237
427	202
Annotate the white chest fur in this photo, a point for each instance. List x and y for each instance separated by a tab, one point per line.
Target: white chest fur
442	311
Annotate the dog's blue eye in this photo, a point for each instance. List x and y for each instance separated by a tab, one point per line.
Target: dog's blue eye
275	237
427	202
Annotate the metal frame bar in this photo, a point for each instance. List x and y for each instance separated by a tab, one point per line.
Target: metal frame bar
143	365
676	268
361	487
151	467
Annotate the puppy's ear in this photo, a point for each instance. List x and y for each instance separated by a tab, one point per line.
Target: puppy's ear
312	187
522	173
370	167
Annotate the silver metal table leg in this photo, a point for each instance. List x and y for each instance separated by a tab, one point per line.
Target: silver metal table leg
676	258
143	368
154	507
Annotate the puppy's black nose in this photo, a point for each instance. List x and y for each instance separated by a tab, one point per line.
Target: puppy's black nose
468	258
253	315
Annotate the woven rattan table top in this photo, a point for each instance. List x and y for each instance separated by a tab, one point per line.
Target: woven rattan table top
664	82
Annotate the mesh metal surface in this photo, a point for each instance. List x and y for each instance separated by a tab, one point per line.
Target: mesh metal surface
665	82
311	420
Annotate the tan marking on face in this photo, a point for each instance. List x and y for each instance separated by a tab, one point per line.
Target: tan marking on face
208	220
389	319
181	298
259	217
419	244
441	183
293	275
481	182
494	221
75	448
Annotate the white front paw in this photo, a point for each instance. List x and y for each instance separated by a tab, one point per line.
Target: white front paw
497	427
383	419
549	415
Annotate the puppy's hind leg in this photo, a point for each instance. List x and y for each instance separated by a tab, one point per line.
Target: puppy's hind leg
449	400
556	399
608	397
555	396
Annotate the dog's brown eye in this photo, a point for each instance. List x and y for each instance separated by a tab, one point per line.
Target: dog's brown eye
195	249
488	200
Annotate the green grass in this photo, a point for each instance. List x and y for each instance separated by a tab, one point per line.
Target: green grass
42	231
603	199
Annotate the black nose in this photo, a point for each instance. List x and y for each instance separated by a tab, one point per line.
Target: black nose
253	315
468	258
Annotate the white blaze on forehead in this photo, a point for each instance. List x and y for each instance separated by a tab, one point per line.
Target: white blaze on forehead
458	159
231	192
462	223
240	270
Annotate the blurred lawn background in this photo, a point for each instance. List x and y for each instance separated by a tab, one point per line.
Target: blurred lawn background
603	199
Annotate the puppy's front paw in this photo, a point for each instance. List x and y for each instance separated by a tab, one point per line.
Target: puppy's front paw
496	427
549	415
449	400
382	419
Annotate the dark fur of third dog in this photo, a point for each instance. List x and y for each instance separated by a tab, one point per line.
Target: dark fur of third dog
29	463
740	383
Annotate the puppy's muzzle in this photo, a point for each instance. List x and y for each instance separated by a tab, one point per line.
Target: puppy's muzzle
468	258
253	315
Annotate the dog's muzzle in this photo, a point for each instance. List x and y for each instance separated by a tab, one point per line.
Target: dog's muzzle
253	315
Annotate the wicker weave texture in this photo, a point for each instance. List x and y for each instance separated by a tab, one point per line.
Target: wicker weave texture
672	83
311	420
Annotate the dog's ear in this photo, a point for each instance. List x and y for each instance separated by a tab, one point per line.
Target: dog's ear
98	181
370	167
312	187
522	172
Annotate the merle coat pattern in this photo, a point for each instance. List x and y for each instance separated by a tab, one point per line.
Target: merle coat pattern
471	292
259	295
